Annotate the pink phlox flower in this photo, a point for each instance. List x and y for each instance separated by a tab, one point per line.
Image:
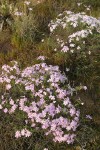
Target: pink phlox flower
72	111
5	110
18	134
89	117
66	101
8	86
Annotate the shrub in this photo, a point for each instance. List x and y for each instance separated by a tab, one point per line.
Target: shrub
69	45
6	19
24	27
37	99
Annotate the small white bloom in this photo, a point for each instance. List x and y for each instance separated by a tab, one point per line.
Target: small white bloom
72	45
38	2
87	8
55	49
30	9
67	69
42	40
74	25
82	103
77	38
89	52
85	87
18	13
72	51
78	48
79	4
26	2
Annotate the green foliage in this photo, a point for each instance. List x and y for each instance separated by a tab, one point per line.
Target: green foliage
6	18
26	33
87	137
93	3
25	57
83	63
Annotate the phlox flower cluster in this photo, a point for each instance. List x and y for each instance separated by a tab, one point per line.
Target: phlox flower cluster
23	132
87	7
22	13
41	58
17	13
43	97
27	2
82	26
88	117
74	20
